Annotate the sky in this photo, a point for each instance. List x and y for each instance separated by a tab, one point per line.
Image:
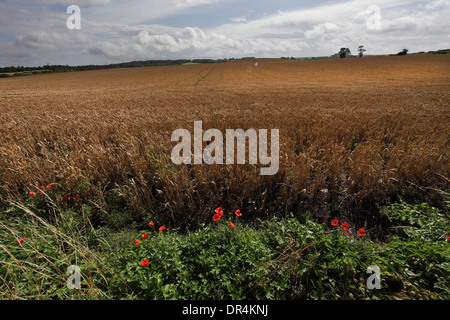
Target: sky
36	33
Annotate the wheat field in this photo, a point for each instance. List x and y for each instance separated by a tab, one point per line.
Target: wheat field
355	134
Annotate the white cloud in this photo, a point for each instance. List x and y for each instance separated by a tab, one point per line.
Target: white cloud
239	19
116	31
78	2
193	3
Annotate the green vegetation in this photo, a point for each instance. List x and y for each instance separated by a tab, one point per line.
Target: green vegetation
288	257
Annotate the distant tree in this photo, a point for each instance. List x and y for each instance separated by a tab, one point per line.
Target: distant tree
344	52
361	51
403	52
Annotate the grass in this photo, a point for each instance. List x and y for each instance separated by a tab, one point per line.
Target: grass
279	258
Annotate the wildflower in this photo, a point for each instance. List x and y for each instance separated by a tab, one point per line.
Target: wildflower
345	234
49	186
335	222
344	226
41	193
20	240
77	196
216	217
151	223
447	238
42	187
32	194
162	228
231	225
238	213
144	236
145	263
219	211
361	232
136	242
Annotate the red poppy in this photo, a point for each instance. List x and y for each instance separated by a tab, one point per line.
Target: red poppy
238	213
344	226
162	228
41	193
136	242
335	222
144	236
361	232
32	194
150	223
231	225
219	211
77	196
20	240
145	263
42	187
345	234
447	238
49	186
216	217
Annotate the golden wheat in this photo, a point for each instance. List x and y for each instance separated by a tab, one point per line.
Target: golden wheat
353	133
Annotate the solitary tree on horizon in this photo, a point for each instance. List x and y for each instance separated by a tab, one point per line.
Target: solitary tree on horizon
344	52
361	51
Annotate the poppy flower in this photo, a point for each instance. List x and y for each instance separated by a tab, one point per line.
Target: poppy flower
219	211
238	213
447	238
162	228
49	186
231	225
151	223
77	196
32	194
216	217
361	232
344	226
144	236
20	240
335	222
42	187
41	193
136	242
145	263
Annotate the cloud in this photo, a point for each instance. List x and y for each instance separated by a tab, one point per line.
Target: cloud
239	19
322	31
117	31
77	2
193	3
